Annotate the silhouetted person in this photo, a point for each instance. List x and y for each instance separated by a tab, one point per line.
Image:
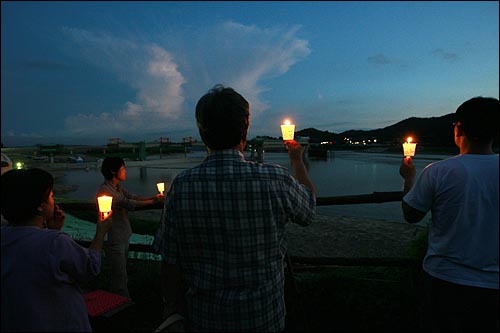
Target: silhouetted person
223	230
117	244
41	265
462	194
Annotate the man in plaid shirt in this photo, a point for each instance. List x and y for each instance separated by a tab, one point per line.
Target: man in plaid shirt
223	226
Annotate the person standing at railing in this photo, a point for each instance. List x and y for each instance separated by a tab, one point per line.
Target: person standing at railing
223	231
462	194
41	265
116	246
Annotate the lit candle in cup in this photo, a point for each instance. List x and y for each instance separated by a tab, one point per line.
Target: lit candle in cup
287	130
104	204
409	148
161	187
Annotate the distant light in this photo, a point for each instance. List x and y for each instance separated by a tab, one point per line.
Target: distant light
19	165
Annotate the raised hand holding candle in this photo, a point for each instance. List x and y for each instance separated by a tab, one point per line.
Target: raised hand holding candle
104	204
409	148
287	130
161	187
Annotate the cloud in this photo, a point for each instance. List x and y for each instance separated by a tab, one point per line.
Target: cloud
165	76
147	67
444	55
245	57
262	54
379	59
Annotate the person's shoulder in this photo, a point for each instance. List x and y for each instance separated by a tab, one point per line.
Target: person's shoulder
106	187
473	158
60	237
444	163
271	171
35	234
274	167
55	233
103	185
190	171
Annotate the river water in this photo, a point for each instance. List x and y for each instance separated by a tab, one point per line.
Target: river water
342	173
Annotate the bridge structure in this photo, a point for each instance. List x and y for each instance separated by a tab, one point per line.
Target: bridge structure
259	147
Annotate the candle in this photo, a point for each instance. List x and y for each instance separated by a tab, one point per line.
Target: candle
287	130
104	204
161	187
409	148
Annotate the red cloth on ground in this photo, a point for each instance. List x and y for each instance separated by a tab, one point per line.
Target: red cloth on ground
100	301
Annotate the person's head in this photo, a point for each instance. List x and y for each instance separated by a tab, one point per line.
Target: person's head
26	194
478	119
113	167
223	118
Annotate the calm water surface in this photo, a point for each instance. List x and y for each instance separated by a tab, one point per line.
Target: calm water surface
343	173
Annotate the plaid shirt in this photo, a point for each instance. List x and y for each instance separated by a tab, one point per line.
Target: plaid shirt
224	225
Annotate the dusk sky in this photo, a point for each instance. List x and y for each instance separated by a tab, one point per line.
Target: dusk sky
83	72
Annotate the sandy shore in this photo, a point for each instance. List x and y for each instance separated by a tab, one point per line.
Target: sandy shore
341	236
351	237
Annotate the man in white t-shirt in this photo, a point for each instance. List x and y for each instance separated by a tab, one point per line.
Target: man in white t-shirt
462	194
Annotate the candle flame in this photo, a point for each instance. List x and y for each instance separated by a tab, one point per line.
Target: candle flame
287	122
410	139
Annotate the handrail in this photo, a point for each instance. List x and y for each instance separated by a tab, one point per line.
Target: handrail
375	197
89	205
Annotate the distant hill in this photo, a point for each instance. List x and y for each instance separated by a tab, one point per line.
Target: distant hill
434	131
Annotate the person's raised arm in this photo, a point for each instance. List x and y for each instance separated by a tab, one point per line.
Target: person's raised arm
296	152
408	171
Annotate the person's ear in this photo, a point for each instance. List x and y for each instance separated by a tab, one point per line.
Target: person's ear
460	131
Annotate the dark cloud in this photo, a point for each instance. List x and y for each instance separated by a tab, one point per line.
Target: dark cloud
446	56
379	59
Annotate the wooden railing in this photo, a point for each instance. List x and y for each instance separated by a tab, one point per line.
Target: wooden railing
375	197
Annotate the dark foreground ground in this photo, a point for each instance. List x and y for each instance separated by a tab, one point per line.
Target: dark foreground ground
331	298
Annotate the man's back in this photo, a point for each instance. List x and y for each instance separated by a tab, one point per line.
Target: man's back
225	224
462	193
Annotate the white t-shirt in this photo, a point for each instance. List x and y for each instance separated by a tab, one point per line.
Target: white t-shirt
462	194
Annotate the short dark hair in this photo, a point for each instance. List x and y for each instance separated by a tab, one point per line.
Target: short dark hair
479	118
23	191
110	166
223	117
